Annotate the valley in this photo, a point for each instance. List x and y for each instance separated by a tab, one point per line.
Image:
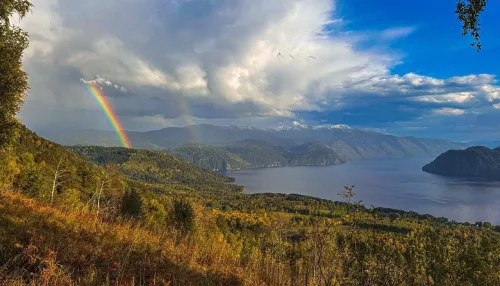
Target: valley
231	148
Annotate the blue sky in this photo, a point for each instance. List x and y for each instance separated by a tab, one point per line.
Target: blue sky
436	47
398	67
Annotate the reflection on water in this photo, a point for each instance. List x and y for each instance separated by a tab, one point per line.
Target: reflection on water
394	183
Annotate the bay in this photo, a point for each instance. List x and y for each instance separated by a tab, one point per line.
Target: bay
391	183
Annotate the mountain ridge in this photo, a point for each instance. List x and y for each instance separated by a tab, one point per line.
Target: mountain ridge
346	142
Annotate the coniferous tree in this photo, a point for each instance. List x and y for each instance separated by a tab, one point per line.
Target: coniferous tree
183	215
131	204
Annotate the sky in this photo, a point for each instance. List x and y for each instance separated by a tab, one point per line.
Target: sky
397	67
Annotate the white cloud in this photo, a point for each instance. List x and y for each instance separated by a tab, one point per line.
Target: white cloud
100	82
492	92
458	97
496	105
397	32
448	111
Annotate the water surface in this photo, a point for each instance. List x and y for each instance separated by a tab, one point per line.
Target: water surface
392	183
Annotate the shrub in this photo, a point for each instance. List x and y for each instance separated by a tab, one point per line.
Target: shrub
183	216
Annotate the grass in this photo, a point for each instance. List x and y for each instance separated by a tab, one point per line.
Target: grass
36	241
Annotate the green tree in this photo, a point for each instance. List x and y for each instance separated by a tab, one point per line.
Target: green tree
70	198
131	204
30	179
468	12
156	214
183	215
9	168
13	80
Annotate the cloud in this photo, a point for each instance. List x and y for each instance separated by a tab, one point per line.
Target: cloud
247	61
238	58
100	82
448	111
397	32
458	97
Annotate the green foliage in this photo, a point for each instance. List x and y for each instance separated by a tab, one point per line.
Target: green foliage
13	80
132	204
30	179
70	198
183	215
156	214
468	13
8	168
154	167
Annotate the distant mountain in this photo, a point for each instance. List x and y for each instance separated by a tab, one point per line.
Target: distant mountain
252	153
347	142
489	144
473	162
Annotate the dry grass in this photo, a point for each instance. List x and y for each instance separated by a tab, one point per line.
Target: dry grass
43	245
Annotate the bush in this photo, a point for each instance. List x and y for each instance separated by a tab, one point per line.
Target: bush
183	216
156	214
70	198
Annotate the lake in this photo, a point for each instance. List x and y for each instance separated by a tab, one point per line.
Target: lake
392	183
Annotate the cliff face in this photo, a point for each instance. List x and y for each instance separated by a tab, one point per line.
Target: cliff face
473	162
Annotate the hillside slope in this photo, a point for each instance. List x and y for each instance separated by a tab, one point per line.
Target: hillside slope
210	157
32	166
252	153
151	166
48	246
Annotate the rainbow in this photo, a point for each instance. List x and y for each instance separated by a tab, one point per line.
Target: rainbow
110	114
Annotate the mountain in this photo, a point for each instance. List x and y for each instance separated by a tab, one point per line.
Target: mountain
489	144
349	143
473	162
252	153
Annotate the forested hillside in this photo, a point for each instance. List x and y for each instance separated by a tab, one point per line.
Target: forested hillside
152	166
142	217
210	157
256	154
474	162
